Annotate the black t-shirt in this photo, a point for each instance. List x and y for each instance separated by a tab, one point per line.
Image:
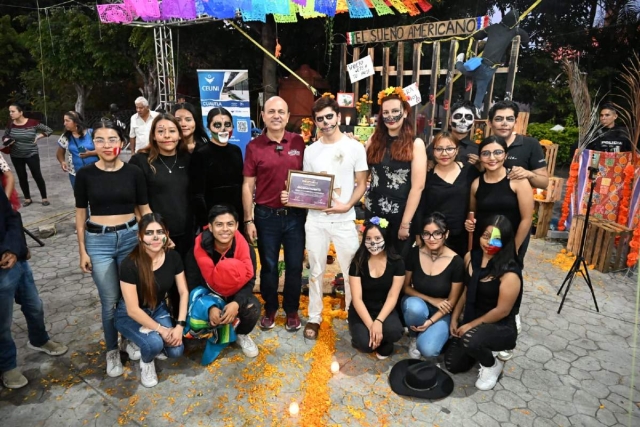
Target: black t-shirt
375	290
165	276
465	148
216	177
168	191
110	193
611	140
439	285
525	152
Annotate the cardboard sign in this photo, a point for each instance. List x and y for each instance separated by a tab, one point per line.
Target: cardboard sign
427	30
413	94
360	69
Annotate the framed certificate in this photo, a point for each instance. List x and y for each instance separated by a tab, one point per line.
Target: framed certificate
309	190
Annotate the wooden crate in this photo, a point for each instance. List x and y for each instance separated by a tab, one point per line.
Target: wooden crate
551	156
606	246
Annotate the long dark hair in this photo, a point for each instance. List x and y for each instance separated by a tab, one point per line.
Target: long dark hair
152	148
506	259
147	292
199	131
362	254
402	148
78	120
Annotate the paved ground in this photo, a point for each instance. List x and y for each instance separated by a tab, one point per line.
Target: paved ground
570	369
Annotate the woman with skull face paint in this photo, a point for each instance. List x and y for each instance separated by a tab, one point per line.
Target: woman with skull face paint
490	301
447	178
146	277
216	169
398	166
376	276
495	194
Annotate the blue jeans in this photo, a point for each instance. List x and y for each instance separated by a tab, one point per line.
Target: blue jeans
107	251
17	283
151	343
275	230
416	311
482	76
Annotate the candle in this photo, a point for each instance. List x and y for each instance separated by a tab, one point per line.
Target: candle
293	409
335	367
347	120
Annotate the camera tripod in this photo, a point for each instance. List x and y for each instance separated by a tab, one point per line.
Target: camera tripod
580	265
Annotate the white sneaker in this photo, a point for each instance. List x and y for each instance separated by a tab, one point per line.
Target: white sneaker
488	377
114	364
460	57
518	323
249	348
132	350
505	355
381	357
414	353
161	356
148	377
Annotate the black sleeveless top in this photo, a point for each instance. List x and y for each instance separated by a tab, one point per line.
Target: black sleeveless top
451	200
482	296
390	185
496	199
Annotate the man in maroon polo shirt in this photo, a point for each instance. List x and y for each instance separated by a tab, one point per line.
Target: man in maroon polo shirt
268	159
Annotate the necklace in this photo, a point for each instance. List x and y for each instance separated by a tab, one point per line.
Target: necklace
172	166
433	256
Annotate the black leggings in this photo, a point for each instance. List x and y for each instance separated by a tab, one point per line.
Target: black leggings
478	344
21	170
391	332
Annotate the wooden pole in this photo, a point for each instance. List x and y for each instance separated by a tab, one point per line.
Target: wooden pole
400	65
513	68
385	68
417	52
468	94
343	67
356	85
448	90
369	84
433	89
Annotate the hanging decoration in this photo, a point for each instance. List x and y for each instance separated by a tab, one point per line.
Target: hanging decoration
148	10
358	9
328	7
280	7
290	17
115	13
381	7
177	9
219	9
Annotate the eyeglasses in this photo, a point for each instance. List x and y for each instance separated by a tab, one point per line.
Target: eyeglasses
100	141
436	235
500	119
321	119
448	150
496	153
218	125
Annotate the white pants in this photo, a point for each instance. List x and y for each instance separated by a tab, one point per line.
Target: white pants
319	235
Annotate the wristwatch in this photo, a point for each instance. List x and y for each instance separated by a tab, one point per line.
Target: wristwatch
181	323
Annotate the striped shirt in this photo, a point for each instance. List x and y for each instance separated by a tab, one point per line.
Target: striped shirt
25	136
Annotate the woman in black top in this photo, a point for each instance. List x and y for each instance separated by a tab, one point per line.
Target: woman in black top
146	277
376	275
193	133
447	190
494	194
113	190
216	169
165	165
398	165
490	302
432	286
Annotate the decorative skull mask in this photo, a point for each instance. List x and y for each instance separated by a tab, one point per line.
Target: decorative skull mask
462	120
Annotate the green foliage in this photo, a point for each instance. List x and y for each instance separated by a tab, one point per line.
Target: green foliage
564	139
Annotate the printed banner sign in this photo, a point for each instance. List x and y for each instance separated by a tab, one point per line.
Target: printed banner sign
413	94
360	69
228	89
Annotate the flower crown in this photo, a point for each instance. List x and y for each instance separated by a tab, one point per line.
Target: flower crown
328	95
392	91
380	222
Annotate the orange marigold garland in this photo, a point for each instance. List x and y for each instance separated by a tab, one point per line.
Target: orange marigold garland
571	184
634	245
392	91
625	200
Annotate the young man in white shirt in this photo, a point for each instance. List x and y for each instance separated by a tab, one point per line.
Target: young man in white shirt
141	125
346	159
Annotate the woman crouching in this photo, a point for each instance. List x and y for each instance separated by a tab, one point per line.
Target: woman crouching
142	316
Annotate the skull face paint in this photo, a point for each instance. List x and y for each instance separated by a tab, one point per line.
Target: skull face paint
393	119
375	247
462	120
222	137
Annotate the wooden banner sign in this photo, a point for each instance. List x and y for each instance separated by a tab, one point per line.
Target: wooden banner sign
426	30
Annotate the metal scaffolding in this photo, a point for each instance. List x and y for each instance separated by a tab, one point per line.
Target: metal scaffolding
165	65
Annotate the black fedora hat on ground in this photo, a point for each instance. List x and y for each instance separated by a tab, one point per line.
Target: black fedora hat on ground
415	378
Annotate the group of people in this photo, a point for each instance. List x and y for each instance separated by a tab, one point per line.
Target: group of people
167	236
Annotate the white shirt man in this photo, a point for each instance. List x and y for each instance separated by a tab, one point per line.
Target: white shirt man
141	125
346	159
